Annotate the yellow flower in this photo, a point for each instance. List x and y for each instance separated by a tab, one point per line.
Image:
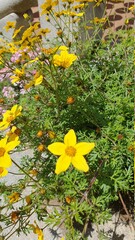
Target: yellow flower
43	31
48	5
9	25
37	231
18	74
26	16
9	116
40	133
99	20
70	100
79	6
41	148
64	59
127	21
71	152
14	197
51	134
38	78
5	147
131	8
3	172
13	133
72	14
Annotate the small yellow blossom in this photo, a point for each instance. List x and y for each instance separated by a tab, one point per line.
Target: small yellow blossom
13	133
39	133
71	153
68	199
37	231
72	14
43	31
9	25
64	59
131	8
9	116
48	5
99	20
79	6
18	74
14	197
127	21
70	100
38	78
34	172
26	16
37	97
41	147
59	33
51	134
1	100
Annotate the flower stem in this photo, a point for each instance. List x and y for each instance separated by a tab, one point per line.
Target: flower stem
27	174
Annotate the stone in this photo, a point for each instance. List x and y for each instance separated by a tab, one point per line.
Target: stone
15	6
12	11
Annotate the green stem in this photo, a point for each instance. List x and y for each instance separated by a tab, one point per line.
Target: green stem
27	174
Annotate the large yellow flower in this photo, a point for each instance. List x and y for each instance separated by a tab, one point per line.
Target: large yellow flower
9	116
5	147
71	152
64	59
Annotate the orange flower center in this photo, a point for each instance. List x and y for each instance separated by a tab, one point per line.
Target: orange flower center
1	170
70	151
2	151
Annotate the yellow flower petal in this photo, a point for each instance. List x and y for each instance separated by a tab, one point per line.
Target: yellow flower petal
80	163
3	142
70	138
62	164
57	148
11	145
63	48
84	148
38	80
5	161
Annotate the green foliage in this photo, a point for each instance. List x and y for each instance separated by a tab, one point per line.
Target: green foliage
101	84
